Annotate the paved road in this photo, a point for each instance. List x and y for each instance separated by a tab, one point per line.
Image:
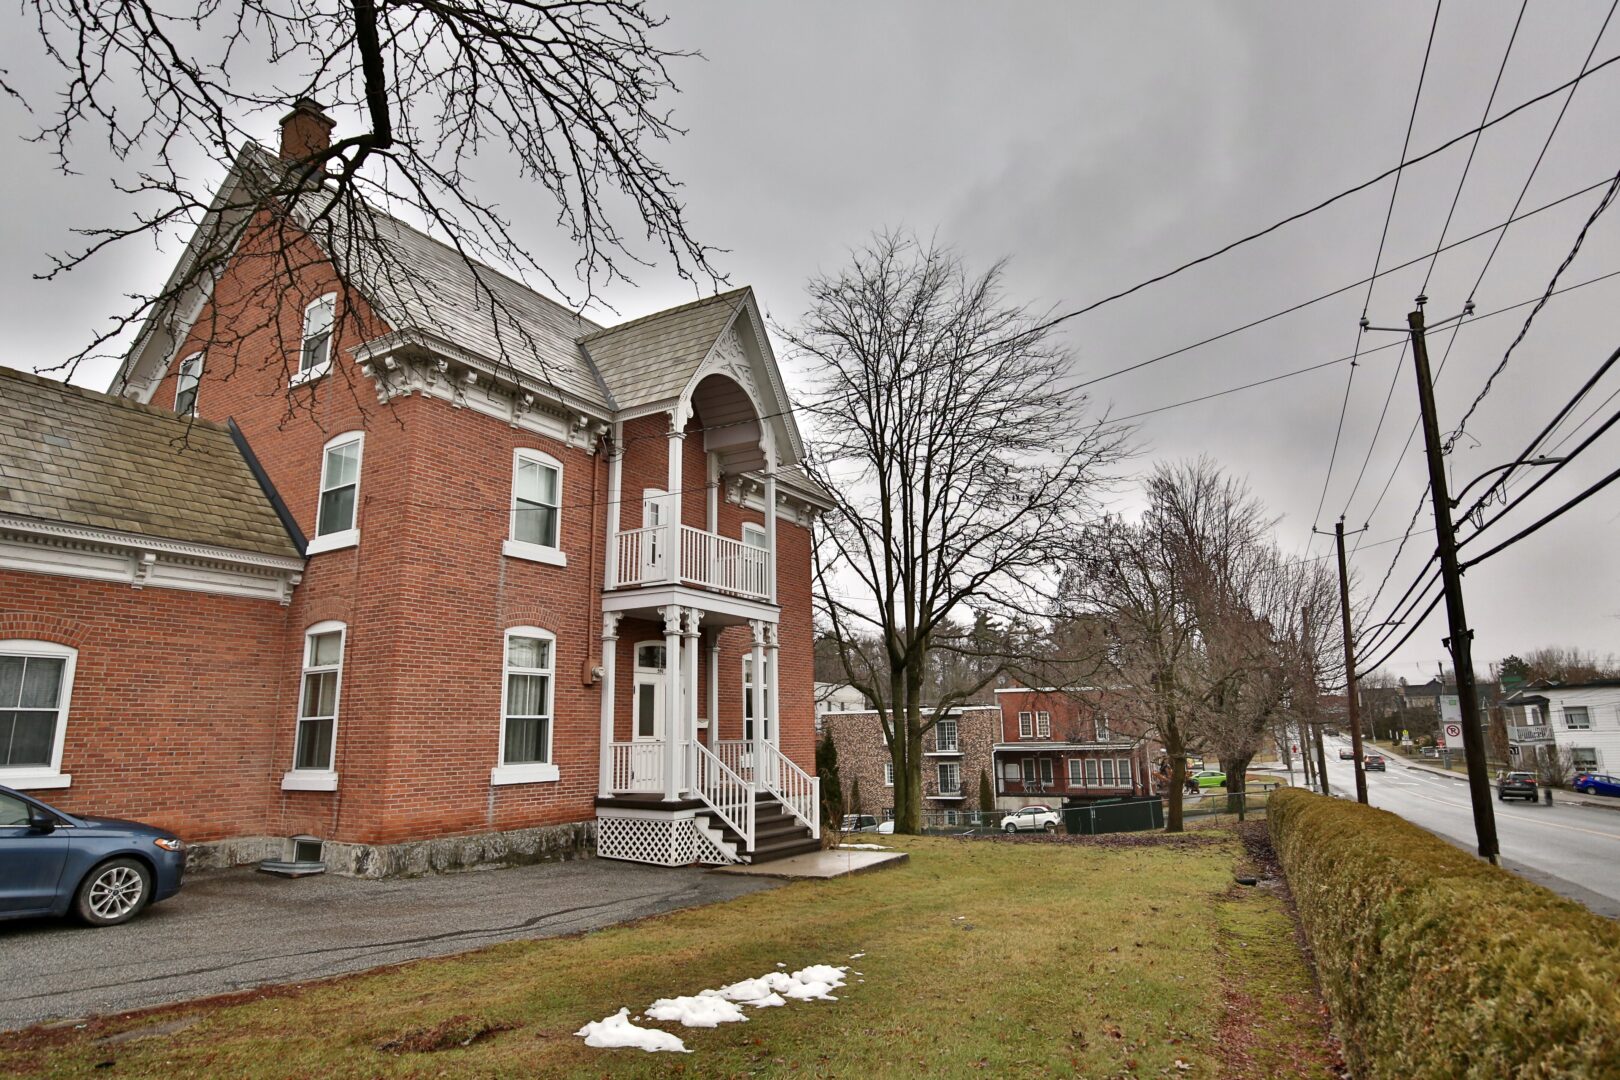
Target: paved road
1573	850
238	929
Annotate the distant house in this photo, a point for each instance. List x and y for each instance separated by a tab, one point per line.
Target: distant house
1037	745
837	697
1580	718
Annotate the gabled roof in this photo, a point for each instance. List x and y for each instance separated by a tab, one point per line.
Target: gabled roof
76	456
653	358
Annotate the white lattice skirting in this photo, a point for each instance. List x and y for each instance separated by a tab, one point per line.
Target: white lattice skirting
649	837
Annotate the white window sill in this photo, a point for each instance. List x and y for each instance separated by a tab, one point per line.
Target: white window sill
520	549
309	780
333	541
35	779
302	377
535	773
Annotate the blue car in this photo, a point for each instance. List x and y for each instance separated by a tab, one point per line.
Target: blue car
101	869
1597	784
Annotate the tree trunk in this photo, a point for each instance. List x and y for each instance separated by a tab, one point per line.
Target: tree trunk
1237	782
1178	777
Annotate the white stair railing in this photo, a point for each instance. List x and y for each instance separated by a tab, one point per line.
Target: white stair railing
793	787
728	795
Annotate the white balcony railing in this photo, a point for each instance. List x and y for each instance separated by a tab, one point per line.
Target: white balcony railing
1529	733
708	560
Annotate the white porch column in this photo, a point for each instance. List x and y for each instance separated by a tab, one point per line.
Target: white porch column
672	500
615	495
672	702
772	697
770	531
610	662
756	696
689	710
713	638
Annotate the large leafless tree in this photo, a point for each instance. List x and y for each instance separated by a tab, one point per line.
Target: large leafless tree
566	94
959	466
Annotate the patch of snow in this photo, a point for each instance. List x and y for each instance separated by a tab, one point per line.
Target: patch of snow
757	992
856	956
862	847
616	1032
702	1011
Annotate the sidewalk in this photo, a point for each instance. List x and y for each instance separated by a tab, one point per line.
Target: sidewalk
1560	797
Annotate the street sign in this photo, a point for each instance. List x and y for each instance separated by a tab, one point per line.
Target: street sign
1453	734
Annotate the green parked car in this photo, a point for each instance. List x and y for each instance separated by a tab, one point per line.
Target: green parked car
1210	778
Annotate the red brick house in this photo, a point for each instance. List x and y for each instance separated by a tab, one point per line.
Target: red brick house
1051	746
496	603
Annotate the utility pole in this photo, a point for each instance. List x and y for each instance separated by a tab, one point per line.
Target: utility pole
1460	641
1352	705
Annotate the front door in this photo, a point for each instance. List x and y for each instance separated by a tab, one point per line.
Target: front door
647	719
654	543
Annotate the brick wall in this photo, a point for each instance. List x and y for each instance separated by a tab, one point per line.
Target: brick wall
176	700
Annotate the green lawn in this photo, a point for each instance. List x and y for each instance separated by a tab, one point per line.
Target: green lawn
983	957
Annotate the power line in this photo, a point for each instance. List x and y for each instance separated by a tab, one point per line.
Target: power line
1383	237
1335	292
1545	519
1434	260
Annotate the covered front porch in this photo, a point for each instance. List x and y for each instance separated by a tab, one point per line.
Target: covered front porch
683	778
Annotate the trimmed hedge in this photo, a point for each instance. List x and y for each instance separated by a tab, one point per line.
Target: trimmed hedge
1436	964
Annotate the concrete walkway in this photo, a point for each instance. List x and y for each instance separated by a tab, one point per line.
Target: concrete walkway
826	863
237	929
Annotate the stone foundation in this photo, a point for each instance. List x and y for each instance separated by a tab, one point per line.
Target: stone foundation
414	858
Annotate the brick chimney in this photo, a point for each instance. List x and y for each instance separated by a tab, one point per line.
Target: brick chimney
305	131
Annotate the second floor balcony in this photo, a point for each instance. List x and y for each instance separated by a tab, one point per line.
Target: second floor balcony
1529	733
650	556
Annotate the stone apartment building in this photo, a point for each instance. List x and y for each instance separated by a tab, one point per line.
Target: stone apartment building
415	594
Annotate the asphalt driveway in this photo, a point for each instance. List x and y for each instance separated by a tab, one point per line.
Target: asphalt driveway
238	929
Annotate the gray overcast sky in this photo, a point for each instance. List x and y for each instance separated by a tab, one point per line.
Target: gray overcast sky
1095	146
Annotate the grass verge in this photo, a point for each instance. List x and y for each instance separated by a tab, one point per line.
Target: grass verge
1116	956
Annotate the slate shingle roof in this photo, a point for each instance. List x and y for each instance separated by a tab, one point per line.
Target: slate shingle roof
84	458
651	358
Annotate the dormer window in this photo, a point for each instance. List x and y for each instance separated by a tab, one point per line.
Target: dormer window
185	384
315	354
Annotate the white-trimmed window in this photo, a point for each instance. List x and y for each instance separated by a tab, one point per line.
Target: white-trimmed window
1026	725
1043	725
1046	771
945	739
1583	758
315	349
1029	771
185	384
36	682
315	742
526	703
748	698
1577	718
337	516
1010	773
757	558
1091	772
1103	734
1077	776
1122	770
950	778
536	531
1107	765
888	774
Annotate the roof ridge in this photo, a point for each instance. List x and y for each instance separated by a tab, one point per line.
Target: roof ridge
701	301
430	238
45	382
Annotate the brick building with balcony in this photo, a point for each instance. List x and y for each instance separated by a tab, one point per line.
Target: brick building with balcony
433	579
1038	746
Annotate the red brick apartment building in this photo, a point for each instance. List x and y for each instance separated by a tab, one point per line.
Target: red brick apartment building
462	604
1049	745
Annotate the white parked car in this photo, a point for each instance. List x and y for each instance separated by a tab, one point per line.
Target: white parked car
1031	819
886	828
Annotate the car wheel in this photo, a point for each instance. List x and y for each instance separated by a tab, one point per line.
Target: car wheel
1051	827
114	892
1011	828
